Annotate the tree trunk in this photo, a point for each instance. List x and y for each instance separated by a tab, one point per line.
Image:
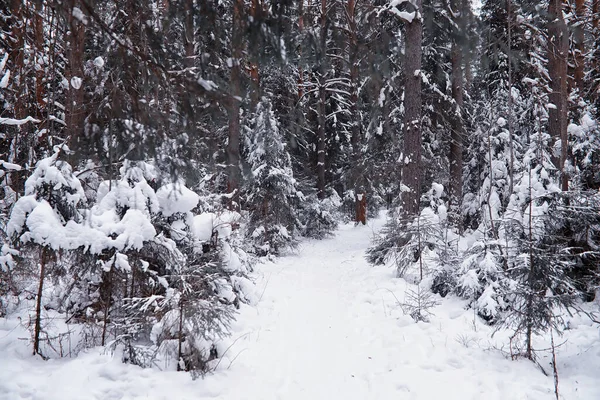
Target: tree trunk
511	165
18	56
469	22
180	338
255	13
300	33
558	46
322	103
457	132
39	49
595	62
38	304
16	24
233	109
595	15
411	170
188	38
355	140
579	40
106	303
75	111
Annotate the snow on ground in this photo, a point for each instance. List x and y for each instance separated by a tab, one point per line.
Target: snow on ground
327	327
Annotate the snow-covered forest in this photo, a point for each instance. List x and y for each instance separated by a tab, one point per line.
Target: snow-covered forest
299	199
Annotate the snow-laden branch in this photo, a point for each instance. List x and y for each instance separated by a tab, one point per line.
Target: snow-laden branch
406	16
10	166
12	121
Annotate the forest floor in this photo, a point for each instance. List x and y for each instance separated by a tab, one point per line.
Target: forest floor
328	326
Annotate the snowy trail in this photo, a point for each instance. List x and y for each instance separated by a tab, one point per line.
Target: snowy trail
327	327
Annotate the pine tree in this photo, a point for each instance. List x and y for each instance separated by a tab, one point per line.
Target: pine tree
272	194
41	218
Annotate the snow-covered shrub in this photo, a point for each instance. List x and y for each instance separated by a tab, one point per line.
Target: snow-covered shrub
43	222
572	226
418	303
137	269
183	280
418	246
320	217
403	243
206	284
585	136
538	258
481	278
8	258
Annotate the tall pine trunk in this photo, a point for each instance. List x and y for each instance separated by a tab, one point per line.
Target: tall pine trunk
254	51
75	110
321	109
511	149
558	47
412	165
17	53
579	39
38	28
233	109
457	132
355	167
188	34
300	33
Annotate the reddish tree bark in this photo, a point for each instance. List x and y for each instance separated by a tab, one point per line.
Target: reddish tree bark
579	44
355	140
38	29
558	47
18	57
321	105
75	110
300	31
457	133
234	175
412	164
255	13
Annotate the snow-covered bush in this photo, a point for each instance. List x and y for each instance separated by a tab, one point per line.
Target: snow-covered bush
137	268
320	217
481	278
417	246
43	222
586	149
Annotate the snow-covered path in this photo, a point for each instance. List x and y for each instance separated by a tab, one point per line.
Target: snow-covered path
327	327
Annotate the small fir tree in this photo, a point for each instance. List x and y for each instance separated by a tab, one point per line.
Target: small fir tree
272	194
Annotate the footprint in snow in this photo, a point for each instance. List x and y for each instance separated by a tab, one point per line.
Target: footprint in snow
455	363
402	388
436	368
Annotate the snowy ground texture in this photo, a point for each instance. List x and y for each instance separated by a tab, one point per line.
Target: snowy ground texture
327	327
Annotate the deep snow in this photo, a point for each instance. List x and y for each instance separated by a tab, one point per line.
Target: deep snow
327	326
